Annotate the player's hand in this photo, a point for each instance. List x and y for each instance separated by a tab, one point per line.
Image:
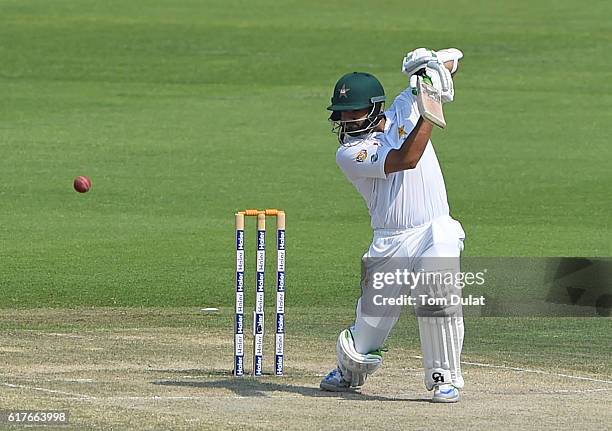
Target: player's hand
450	54
442	80
417	60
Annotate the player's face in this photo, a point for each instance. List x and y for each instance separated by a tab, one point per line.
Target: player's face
355	119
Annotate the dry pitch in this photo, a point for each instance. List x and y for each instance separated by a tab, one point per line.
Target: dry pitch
170	369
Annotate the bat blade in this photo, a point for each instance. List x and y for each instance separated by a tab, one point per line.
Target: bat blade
429	102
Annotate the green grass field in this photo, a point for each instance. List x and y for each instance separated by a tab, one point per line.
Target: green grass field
183	112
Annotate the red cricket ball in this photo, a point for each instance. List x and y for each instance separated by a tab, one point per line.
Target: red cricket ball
82	184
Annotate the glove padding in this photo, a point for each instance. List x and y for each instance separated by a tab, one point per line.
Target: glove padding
355	366
450	54
442	80
417	60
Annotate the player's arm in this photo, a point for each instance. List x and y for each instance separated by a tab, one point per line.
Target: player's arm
408	155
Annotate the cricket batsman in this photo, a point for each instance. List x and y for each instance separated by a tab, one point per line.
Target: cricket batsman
389	158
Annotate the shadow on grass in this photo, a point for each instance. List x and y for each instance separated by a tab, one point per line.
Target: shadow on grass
261	387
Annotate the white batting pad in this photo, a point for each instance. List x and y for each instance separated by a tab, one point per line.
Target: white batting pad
355	366
441	343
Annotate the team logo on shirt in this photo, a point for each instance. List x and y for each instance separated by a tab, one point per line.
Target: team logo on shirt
401	132
361	156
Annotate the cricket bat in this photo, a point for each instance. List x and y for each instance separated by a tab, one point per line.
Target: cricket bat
429	102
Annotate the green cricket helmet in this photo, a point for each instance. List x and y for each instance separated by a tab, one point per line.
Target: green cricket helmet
354	92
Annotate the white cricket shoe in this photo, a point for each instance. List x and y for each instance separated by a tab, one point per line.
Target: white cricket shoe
445	394
334	382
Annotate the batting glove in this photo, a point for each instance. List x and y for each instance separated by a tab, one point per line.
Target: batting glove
417	60
442	80
450	54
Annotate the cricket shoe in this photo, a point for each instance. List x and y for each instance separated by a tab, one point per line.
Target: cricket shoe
445	394
334	382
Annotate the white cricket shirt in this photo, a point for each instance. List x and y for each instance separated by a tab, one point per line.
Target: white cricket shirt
403	199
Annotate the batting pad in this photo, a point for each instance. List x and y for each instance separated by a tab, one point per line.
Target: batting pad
441	343
355	366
